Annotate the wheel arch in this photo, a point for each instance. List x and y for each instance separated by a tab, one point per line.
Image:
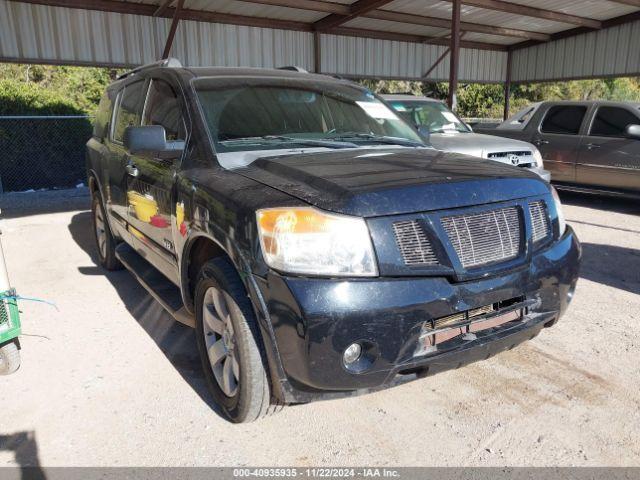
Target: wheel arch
196	252
95	186
199	249
94	183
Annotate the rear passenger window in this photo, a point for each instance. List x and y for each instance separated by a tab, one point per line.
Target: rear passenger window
564	119
128	112
612	122
103	115
163	108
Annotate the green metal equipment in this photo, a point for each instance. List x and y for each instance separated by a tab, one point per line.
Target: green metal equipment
9	323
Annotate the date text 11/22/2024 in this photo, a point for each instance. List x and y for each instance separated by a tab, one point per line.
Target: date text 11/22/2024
370	472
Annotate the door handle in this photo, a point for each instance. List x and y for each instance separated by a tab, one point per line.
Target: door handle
592	146
132	170
540	141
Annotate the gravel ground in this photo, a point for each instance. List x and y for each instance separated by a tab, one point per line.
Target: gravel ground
110	379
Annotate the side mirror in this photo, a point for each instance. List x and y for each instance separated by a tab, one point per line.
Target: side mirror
424	132
633	131
151	139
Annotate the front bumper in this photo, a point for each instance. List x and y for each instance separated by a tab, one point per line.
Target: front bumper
314	320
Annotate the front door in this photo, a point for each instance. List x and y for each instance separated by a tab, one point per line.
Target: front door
151	180
126	113
558	140
607	157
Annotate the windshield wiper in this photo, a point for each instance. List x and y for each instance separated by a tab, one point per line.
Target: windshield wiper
379	139
298	141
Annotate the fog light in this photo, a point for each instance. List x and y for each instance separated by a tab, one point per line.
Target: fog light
352	353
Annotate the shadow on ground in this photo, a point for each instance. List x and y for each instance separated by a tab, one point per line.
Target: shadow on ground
14	205
175	340
610	265
600	202
613	266
25	450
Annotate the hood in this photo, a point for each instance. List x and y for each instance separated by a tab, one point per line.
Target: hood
476	144
378	182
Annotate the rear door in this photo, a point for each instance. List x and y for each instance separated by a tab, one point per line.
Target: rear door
607	157
150	187
98	151
126	113
558	138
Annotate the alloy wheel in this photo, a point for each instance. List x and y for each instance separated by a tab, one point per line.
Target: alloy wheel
220	341
101	234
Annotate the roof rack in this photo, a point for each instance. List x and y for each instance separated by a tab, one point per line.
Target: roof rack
293	68
343	78
167	62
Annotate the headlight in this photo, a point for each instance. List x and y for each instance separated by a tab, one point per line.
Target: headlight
309	241
561	220
537	156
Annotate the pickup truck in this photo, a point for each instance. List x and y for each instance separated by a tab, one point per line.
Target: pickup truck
589	146
318	247
444	130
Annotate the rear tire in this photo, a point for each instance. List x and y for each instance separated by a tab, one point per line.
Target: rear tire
229	344
9	358
105	242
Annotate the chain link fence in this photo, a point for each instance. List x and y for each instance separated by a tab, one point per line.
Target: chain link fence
42	152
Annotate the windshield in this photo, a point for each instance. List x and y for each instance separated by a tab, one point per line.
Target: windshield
433	115
270	117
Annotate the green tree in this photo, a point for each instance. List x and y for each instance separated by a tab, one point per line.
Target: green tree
487	100
78	87
59	89
392	86
21	98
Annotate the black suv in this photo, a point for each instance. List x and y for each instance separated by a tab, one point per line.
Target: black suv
317	246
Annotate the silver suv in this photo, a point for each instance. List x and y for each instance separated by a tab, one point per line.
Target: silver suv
446	131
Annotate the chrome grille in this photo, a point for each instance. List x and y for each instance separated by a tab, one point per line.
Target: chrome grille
460	317
483	238
539	220
413	243
525	157
521	154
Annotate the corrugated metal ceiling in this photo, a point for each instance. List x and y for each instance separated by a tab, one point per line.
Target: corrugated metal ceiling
302	14
386	26
366	57
59	34
255	10
609	52
596	9
593	9
435	8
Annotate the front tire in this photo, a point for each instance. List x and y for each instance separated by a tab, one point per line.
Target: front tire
105	241
9	358
229	344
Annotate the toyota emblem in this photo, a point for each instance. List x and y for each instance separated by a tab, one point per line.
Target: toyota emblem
514	159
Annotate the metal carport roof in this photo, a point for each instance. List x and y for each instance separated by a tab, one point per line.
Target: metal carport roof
493	40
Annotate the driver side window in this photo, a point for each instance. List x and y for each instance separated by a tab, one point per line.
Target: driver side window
162	107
